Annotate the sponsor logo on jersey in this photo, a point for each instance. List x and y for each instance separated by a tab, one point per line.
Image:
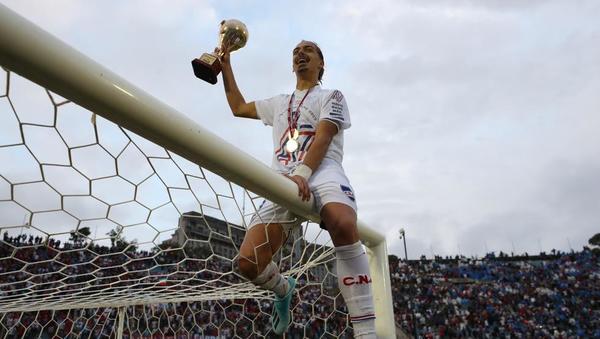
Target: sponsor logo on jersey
337	96
360	279
348	192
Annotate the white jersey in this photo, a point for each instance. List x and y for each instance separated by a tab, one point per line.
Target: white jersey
319	104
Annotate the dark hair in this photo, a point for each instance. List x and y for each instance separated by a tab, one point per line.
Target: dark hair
322	59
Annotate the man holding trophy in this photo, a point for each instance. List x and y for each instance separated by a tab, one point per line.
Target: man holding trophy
308	135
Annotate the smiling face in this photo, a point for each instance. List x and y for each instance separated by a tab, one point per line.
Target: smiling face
307	61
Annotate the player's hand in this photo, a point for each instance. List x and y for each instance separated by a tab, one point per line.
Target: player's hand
303	189
224	56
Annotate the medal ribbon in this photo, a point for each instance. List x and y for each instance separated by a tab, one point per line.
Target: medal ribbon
293	120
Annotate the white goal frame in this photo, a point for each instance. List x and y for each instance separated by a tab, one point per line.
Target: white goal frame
35	54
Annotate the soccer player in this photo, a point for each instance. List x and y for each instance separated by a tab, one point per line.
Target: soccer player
308	136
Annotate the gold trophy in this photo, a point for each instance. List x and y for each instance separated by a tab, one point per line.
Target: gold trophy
233	35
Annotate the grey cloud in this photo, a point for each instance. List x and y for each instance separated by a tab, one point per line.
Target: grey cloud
462	118
471	120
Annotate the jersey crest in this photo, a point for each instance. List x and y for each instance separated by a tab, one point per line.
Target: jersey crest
348	192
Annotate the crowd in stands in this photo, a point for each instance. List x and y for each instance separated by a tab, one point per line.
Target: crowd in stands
552	296
546	296
31	268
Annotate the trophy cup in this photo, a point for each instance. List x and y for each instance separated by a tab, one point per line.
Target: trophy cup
233	35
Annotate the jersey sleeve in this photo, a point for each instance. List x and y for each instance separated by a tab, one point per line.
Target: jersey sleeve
335	109
267	108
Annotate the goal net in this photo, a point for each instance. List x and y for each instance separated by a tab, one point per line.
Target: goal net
106	234
94	216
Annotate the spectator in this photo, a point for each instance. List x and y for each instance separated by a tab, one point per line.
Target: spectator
544	296
554	295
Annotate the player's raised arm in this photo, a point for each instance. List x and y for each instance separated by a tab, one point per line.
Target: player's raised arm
237	103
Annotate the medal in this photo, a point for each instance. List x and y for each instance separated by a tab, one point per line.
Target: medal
292	144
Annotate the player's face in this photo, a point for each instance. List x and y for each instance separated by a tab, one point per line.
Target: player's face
305	58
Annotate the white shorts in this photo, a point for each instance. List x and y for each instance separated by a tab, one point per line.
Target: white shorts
328	184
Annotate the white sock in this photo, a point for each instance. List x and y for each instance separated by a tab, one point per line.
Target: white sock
354	280
270	279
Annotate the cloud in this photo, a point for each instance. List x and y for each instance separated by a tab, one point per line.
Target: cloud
462	109
471	120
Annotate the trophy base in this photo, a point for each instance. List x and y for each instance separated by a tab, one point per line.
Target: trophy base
207	67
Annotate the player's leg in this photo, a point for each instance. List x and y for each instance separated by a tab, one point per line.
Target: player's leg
266	234
354	277
261	242
255	263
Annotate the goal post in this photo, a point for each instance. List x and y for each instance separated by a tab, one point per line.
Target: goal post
40	57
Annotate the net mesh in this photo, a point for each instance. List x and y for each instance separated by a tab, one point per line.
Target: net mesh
100	227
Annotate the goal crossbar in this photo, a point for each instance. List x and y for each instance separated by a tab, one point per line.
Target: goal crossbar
37	55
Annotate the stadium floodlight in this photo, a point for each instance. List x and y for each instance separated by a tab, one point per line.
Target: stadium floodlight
94	181
403	237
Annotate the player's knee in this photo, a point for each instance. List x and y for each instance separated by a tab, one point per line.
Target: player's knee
253	260
248	267
340	226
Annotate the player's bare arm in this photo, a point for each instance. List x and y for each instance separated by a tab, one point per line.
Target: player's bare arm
326	130
237	103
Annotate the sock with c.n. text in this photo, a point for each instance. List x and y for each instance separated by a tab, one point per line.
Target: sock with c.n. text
354	280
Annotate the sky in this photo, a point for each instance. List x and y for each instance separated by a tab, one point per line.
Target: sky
474	123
